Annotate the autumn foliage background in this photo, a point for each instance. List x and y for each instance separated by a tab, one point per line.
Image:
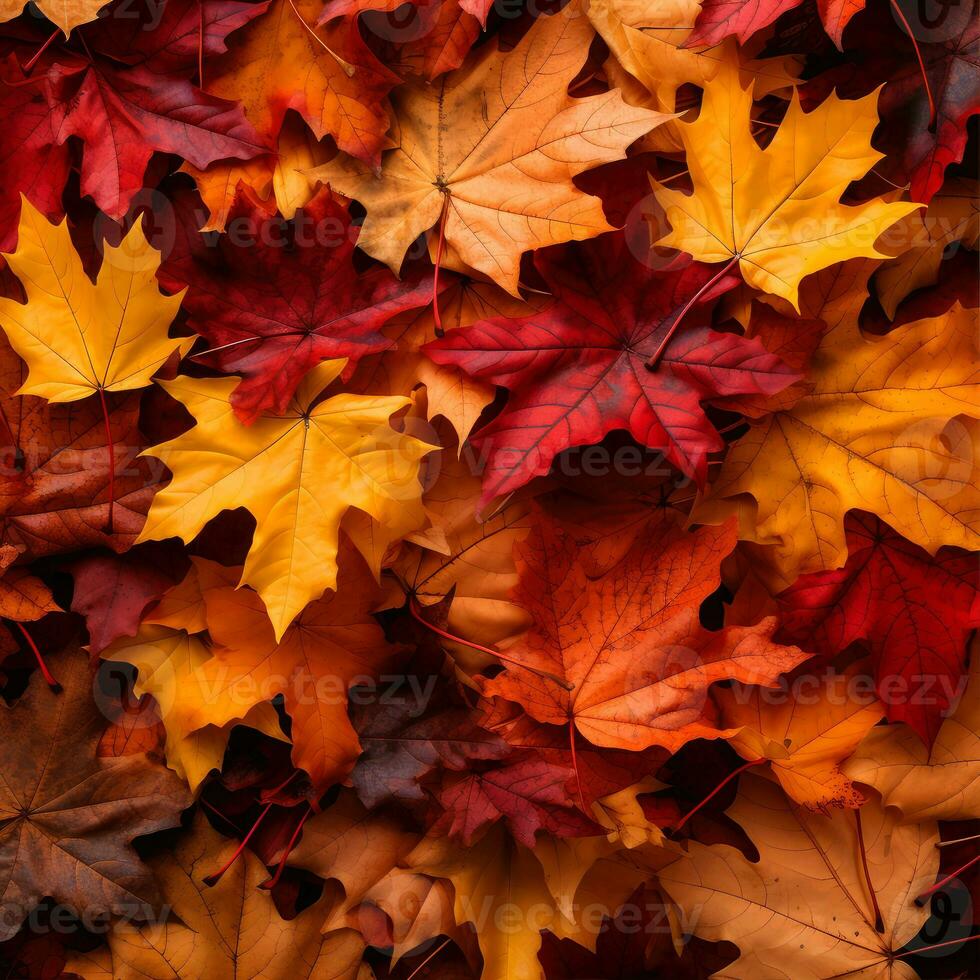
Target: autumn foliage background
489	490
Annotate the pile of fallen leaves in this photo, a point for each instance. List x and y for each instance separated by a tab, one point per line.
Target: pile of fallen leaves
489	490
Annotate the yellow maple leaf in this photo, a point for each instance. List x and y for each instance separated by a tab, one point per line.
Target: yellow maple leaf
77	337
776	212
168	664
66	14
297	474
491	150
883	429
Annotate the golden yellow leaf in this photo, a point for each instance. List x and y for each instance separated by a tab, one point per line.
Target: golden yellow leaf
67	14
873	434
943	784
499	887
953	217
297	474
805	734
803	911
496	144
168	664
232	929
776	212
649	62
78	338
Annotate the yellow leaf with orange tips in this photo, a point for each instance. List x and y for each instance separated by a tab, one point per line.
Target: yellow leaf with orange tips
776	212
490	151
297	473
883	429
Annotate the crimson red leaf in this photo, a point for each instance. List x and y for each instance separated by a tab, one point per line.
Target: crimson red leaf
577	370
913	610
279	298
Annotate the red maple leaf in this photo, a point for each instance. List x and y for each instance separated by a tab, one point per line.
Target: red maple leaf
282	297
577	370
914	611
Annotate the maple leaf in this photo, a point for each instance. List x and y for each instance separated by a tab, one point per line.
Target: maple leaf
56	473
435	38
719	19
530	794
489	154
67	817
629	643
776	212
651	62
275	468
283	61
497	873
471	560
914	611
333	645
576	370
67	14
870	435
925	106
353	846
169	668
23	596
400	749
803	909
231	928
112	592
270	182
952	218
937	783
280	301
805	740
122	114
78	338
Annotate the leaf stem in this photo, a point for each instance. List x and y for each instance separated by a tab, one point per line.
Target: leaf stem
417	614
959	840
690	813
938	886
200	44
578	778
274	880
212	880
922	64
879	921
735	772
48	676
927	949
26	69
435	275
654	360
111	456
431	955
345	67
